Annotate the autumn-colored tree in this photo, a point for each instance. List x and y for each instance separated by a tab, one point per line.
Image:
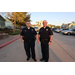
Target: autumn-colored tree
18	18
31	25
63	24
23	17
73	22
58	27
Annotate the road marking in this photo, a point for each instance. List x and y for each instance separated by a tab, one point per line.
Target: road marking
5	44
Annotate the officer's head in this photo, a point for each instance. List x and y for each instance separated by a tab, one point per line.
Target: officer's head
44	23
28	23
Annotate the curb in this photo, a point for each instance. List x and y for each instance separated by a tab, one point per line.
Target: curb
3	45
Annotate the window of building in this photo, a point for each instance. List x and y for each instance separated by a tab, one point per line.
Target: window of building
38	22
0	26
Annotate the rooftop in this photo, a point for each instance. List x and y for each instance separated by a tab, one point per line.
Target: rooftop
2	17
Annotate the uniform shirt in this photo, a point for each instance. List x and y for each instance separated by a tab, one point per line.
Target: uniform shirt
45	32
28	34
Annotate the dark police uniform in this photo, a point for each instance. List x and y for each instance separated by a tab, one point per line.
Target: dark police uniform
45	38
29	41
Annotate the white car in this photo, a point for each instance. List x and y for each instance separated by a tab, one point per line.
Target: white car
70	31
60	30
56	30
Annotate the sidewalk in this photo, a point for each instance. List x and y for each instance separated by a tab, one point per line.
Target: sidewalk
11	37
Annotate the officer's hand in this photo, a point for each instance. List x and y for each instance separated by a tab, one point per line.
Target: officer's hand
49	43
38	41
22	40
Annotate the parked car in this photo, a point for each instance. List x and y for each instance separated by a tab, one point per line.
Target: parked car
60	30
9	27
53	29
56	30
70	31
36	29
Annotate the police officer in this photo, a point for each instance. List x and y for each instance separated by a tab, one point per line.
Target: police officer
28	36
45	37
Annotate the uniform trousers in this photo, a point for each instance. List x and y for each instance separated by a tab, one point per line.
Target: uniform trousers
30	46
45	50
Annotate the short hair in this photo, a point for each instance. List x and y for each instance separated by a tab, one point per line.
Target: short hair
27	21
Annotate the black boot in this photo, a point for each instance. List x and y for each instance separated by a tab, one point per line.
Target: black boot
34	59
28	58
41	59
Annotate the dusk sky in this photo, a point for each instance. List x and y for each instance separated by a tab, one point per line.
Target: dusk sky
54	18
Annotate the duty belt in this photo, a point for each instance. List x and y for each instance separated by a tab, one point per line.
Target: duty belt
45	40
29	40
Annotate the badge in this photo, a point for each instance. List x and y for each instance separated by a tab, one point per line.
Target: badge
46	29
32	29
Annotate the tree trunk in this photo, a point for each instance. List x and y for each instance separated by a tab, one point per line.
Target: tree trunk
14	21
20	27
13	26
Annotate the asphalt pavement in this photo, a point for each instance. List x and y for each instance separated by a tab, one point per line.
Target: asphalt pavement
62	49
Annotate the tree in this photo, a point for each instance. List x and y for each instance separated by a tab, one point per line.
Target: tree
31	25
63	24
73	22
18	18
58	27
22	17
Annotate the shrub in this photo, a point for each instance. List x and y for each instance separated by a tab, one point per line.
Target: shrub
1	29
10	31
15	33
6	30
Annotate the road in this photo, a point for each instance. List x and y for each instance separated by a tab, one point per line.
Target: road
62	49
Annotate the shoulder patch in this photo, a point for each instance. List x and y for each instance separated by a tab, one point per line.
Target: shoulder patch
51	29
25	30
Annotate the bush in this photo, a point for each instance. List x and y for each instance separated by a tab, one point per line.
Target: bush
6	30
15	33
10	31
1	29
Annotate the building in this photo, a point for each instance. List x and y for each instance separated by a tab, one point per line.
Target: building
8	23
51	26
5	23
40	23
36	25
2	22
65	26
72	25
68	26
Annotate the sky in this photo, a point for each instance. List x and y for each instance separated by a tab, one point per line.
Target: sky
54	18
